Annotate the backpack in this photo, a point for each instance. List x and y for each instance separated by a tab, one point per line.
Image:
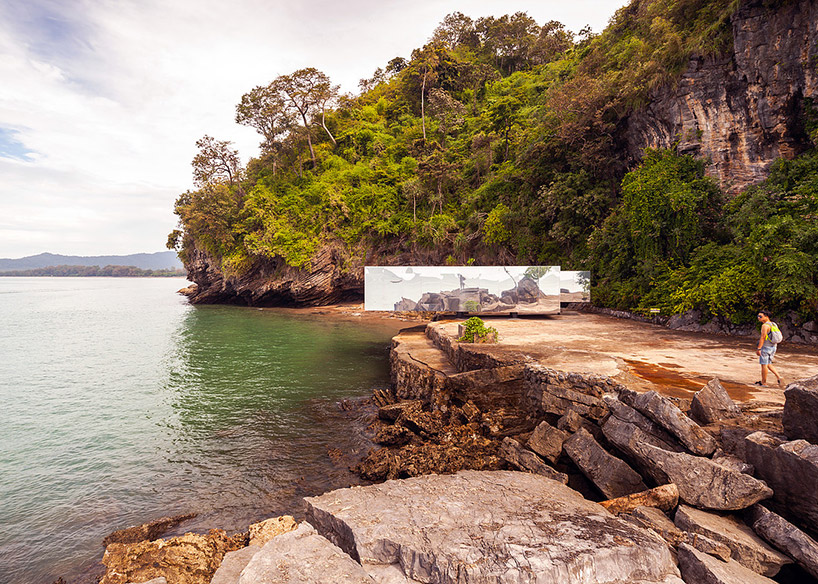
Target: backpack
775	336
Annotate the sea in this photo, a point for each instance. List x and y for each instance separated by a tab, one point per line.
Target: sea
120	403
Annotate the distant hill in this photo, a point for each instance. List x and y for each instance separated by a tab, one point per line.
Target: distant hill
163	260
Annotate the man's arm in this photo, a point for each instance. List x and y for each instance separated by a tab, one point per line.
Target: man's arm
765	330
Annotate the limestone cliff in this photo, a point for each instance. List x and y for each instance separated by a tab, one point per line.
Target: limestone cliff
745	109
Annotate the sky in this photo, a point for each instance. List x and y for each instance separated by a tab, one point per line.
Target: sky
102	101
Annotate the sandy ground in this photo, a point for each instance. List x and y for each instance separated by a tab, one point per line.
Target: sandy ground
644	356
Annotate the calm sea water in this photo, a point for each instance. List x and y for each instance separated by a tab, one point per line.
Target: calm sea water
121	403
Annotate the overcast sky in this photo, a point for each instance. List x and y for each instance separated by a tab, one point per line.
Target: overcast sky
102	101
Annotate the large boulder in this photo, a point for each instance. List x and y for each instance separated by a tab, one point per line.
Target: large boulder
523	459
787	537
712	404
747	548
700	568
555	392
701	482
791	469
611	475
546	440
662	411
656	520
800	419
302	557
654	433
665	497
475	527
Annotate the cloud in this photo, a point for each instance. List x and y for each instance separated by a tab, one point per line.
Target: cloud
105	100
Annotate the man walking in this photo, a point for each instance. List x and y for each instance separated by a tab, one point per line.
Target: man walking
767	346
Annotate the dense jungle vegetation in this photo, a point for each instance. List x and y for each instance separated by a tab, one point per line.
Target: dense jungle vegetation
498	141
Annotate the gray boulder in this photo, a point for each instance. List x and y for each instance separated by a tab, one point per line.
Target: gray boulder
523	459
787	537
546	440
662	411
701	481
711	404
701	568
653	432
476	526
659	522
791	469
732	462
556	392
800	419
302	557
746	547
611	475
233	563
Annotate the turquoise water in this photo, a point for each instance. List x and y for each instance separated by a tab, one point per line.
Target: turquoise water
122	403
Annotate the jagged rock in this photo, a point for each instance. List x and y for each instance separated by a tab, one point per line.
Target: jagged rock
573	421
264	531
701	481
159	580
488	527
665	498
188	559
662	411
701	568
612	476
546	440
659	522
791	469
747	548
732	462
800	407
786	537
302	557
392	435
524	459
146	531
654	433
711	404
424	424
233	563
392	412
555	392
708	546
471	411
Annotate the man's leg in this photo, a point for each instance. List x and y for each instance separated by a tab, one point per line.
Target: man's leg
764	374
771	368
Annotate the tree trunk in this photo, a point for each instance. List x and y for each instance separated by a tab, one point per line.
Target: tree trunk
423	105
309	140
323	123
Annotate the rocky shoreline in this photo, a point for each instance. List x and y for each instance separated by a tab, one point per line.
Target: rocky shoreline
496	468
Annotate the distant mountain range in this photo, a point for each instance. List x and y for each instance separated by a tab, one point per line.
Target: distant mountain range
162	260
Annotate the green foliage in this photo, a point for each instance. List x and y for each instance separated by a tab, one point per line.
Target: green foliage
475	330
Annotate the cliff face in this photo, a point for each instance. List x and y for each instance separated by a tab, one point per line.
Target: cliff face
743	110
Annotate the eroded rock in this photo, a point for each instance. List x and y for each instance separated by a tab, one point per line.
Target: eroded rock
665	497
662	411
712	404
147	531
483	527
546	440
524	459
264	531
611	475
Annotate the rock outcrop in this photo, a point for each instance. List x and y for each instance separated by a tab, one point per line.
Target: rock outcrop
800	419
711	404
611	475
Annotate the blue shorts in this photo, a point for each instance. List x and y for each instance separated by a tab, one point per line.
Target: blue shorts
767	355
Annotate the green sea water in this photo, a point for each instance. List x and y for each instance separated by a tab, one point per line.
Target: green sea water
122	403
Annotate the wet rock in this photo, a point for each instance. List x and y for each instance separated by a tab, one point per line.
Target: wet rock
303	557
746	547
791	469
188	559
662	411
701	568
800	407
711	404
147	531
665	498
701	481
264	531
523	459
392	412
488	527
786	537
653	432
546	440
393	435
611	475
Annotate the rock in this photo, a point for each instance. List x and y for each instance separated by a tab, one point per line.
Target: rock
546	440
711	404
302	557
392	412
554	392
659	522
424	424
188	559
393	435
489	527
700	568
662	411
573	421
791	469
233	563
612	476
708	546
786	537
159	580
800	407
732	463
665	498
746	547
524	459
264	531
701	481
654	433
147	531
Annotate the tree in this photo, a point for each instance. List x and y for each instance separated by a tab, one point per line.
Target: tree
456	30
265	110
216	163
446	110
